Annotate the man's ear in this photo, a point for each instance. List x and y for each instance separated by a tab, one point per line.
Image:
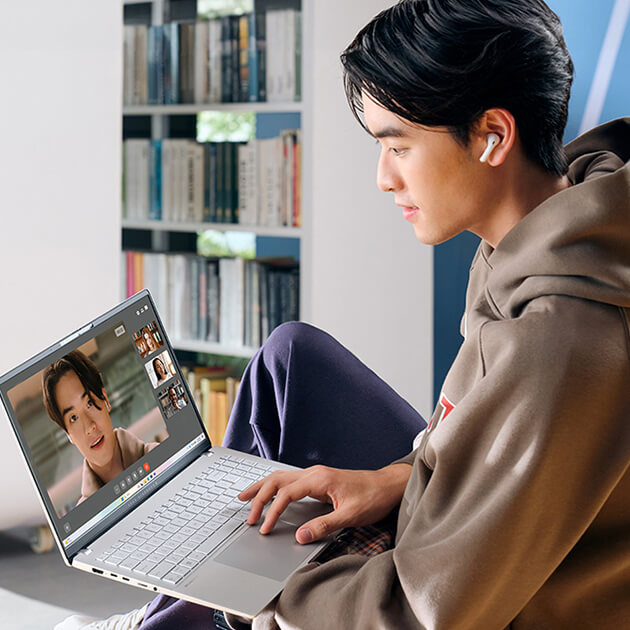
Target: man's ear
500	122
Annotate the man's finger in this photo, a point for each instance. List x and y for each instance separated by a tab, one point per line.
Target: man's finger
320	527
266	492
289	494
250	492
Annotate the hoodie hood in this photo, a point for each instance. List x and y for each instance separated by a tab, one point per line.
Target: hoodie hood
577	242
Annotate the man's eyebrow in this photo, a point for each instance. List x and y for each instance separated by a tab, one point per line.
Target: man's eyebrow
389	132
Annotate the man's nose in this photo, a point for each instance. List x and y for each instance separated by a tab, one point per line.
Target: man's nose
386	177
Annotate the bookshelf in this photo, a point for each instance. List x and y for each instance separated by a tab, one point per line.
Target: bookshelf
163	119
363	276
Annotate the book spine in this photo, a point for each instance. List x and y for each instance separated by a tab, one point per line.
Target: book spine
198	182
298	56
226	59
201	61
252	95
297	178
128	64
243	27
234	183
261	54
228	166
202	332
160	69
235	87
242	184
155	211
141	64
215	59
152	63
212	170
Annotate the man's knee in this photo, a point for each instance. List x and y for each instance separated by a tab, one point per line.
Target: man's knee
291	335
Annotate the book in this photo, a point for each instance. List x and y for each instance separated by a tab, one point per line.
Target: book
201	62
243	57
155	178
215	56
186	63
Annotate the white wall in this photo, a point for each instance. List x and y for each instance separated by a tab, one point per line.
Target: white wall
371	279
59	188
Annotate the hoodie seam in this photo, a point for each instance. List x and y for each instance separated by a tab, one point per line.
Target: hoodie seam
481	354
626	328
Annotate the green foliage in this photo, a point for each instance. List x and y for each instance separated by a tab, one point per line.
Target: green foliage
226	126
217	8
213	243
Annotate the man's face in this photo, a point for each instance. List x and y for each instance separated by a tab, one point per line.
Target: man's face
434	179
172	395
89	428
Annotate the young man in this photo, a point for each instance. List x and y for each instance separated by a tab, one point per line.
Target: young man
513	509
75	399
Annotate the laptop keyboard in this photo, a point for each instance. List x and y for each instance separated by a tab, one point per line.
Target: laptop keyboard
182	532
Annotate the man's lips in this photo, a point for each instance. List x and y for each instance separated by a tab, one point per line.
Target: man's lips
410	212
98	442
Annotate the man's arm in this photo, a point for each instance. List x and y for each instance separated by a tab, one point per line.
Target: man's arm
504	490
358	497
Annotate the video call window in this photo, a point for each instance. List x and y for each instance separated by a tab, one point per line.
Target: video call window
172	399
160	369
88	417
148	340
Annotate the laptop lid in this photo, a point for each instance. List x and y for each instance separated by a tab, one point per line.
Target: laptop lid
104	418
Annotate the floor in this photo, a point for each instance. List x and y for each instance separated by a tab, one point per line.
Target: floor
45	577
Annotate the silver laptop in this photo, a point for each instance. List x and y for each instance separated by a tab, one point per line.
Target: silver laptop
132	488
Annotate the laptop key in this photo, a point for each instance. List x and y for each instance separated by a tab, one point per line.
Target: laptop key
144	567
214	540
161	569
128	563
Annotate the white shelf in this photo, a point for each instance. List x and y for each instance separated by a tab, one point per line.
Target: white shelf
175	226
195	345
165	110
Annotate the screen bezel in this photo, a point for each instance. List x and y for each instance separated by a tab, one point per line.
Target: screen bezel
75	339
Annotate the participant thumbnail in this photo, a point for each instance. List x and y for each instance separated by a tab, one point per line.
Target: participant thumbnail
148	340
87	417
172	399
160	369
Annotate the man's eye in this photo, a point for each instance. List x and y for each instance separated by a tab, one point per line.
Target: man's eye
90	403
397	151
73	418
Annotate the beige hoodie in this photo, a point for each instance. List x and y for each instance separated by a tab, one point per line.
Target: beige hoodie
517	511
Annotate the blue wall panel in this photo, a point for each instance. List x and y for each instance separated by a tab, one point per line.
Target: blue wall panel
585	26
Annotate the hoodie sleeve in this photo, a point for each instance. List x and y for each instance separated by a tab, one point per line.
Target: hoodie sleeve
501	490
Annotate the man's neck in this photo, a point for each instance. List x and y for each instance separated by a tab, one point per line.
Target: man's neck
526	191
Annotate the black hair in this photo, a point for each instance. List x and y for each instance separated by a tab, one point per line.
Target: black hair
88	374
445	62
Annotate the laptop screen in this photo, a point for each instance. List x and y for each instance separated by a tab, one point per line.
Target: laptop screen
101	416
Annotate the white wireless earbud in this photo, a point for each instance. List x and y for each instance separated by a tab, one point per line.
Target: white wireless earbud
69	438
493	140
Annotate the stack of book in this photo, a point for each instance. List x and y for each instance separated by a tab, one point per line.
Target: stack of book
257	183
231	301
214	391
253	57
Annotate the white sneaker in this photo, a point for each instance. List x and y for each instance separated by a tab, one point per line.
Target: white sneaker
127	621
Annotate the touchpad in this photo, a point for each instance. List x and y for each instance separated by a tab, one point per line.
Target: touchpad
274	556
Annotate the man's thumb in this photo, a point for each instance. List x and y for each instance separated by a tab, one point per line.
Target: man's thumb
318	528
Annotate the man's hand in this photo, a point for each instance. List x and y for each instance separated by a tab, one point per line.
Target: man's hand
359	497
